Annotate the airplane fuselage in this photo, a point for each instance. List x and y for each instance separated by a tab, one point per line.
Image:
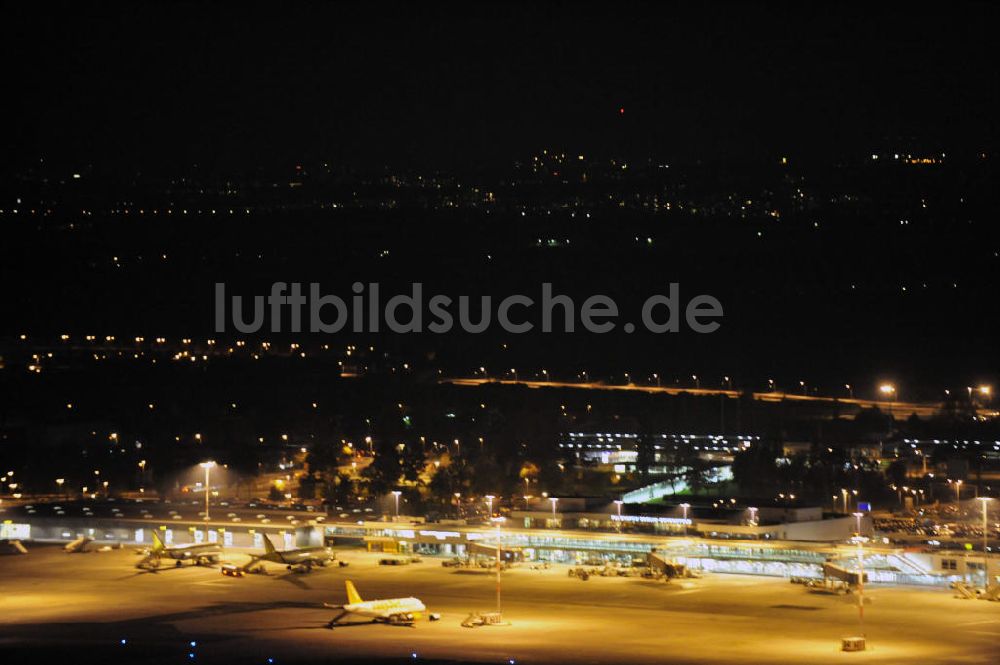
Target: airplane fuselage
393	610
186	552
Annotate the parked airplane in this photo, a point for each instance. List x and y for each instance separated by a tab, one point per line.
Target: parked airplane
396	611
299	558
200	553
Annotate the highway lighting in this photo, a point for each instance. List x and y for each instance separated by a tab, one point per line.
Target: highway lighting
888	390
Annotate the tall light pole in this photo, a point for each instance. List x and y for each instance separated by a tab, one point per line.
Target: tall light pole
498	521
858	516
208	466
843	491
684	507
489	503
395	495
618	505
986	530
861	585
554	501
958	493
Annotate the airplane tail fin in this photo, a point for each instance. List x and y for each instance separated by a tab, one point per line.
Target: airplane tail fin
157	543
268	545
352	594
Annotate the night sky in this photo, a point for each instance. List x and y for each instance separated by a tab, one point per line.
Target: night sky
460	87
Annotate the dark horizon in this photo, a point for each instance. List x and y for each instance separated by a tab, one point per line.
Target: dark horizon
453	87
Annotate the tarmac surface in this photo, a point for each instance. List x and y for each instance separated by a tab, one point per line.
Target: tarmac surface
81	607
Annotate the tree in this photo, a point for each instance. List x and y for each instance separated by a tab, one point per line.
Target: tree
384	472
896	473
340	490
695	472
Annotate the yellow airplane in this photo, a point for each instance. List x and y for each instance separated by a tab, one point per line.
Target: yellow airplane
396	611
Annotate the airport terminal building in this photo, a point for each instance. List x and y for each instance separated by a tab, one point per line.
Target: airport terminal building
707	547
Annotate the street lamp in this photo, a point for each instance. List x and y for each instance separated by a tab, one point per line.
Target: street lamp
843	491
395	495
684	507
489	503
208	466
618	505
554	501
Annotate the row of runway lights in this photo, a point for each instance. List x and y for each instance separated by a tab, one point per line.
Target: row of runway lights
270	661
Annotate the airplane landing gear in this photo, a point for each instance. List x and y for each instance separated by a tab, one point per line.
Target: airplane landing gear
333	622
